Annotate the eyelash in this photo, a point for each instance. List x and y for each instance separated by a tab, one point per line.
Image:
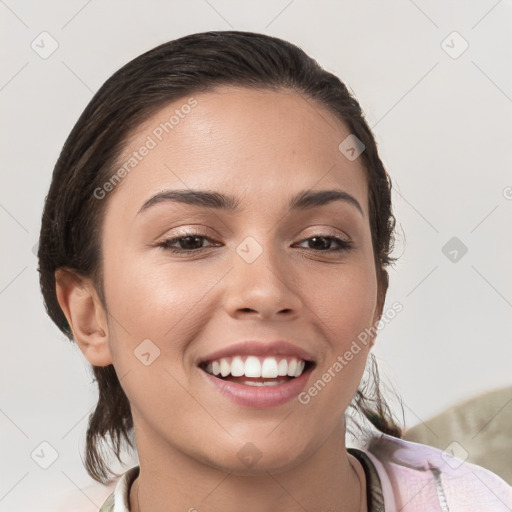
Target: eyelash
343	245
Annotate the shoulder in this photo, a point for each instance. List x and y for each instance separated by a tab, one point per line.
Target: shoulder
417	477
87	499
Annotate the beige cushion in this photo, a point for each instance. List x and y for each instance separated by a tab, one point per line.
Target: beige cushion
479	428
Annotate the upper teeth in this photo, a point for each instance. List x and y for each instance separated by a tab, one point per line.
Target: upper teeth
253	366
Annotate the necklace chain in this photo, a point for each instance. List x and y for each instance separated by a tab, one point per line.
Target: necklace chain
138	504
360	487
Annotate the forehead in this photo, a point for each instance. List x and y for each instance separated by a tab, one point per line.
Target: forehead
261	144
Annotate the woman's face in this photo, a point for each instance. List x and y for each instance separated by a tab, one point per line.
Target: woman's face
254	273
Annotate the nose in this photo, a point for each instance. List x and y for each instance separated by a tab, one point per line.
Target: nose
265	288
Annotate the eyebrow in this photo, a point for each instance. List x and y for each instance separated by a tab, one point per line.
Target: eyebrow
304	200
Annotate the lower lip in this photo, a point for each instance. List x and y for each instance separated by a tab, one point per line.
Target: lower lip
259	396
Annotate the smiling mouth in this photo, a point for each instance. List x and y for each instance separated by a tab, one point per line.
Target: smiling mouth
257	371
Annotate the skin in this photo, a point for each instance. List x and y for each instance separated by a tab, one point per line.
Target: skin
262	147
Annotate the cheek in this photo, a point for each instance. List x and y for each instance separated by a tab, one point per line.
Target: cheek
344	306
156	302
344	300
153	299
152	316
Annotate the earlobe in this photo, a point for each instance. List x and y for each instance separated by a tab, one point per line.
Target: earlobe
85	314
381	297
376	320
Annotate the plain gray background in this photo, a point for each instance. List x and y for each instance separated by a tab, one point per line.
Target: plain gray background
441	114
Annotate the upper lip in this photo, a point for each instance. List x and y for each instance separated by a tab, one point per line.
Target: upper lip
258	348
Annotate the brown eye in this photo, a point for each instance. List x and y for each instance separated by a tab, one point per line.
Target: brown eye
325	243
186	243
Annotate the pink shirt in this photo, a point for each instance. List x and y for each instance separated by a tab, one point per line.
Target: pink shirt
402	476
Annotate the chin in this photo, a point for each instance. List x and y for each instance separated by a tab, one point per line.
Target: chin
258	457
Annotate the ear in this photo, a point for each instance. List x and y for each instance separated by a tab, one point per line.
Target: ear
85	314
382	288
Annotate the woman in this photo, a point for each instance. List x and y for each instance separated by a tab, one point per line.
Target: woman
215	239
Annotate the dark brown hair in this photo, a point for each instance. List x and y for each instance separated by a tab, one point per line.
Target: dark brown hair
72	216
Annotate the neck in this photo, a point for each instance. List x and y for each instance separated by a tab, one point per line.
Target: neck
171	481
